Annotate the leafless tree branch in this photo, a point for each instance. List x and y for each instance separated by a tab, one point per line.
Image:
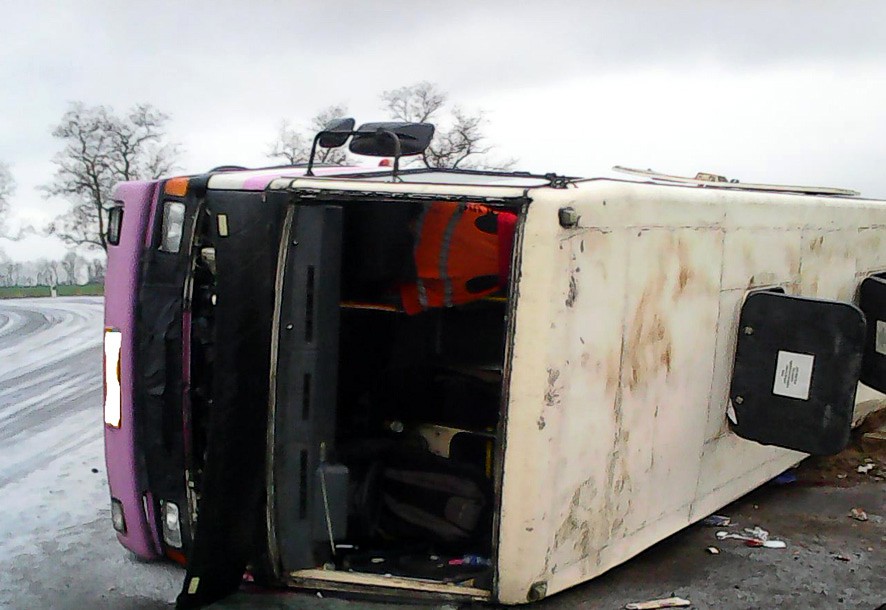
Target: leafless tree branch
294	145
459	140
100	150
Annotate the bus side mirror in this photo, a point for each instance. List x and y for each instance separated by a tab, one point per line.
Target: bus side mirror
336	133
381	139
115	223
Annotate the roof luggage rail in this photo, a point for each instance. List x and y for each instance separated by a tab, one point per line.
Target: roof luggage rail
715	181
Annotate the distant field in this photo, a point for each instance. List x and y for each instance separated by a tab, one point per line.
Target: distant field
18	292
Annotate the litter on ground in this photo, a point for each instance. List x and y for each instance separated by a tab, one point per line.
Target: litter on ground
654	604
858	514
716	521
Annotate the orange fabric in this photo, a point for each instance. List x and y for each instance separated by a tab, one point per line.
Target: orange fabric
451	251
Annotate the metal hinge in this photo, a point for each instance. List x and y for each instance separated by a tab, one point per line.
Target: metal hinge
557	181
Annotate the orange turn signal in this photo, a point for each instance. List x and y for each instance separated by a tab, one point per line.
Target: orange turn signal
177	187
177	556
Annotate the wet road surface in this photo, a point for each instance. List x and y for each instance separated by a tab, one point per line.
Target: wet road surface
57	547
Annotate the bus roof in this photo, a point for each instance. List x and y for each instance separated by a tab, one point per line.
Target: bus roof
262	178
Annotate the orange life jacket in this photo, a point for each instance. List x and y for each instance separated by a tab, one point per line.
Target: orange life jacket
456	256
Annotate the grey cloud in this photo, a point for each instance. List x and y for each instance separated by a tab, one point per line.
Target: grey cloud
228	71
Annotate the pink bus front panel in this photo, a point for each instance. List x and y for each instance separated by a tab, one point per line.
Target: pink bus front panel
121	289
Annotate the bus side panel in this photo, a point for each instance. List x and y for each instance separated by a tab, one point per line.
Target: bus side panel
626	362
125	471
622	358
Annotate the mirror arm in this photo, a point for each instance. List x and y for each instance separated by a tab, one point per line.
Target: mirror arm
396	151
310	171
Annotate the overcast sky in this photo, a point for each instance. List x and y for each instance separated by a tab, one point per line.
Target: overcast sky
785	92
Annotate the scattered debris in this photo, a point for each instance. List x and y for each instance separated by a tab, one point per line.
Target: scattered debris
654	604
840	557
769	544
716	521
841	476
713	550
785	478
470	560
757	532
858	514
320	595
755	537
731	536
865	468
876	435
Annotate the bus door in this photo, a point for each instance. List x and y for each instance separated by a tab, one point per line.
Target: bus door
244	234
306	362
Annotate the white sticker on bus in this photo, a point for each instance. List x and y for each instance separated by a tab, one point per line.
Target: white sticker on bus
793	375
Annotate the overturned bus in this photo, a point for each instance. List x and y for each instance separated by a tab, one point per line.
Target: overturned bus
477	385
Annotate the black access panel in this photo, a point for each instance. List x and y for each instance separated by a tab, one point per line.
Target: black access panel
232	494
872	300
797	367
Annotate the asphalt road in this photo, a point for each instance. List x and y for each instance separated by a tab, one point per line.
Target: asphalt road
58	550
57	547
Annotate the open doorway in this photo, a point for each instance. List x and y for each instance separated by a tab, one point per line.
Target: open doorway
388	412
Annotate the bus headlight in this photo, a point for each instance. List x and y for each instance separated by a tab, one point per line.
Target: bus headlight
117	517
172	533
113	345
173	226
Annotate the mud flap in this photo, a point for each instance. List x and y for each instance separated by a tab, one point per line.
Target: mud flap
872	300
797	366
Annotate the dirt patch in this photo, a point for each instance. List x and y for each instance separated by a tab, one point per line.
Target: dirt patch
841	470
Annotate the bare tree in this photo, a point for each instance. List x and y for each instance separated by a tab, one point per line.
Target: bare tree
294	144
459	141
101	149
47	272
72	263
291	144
7	188
12	273
95	271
